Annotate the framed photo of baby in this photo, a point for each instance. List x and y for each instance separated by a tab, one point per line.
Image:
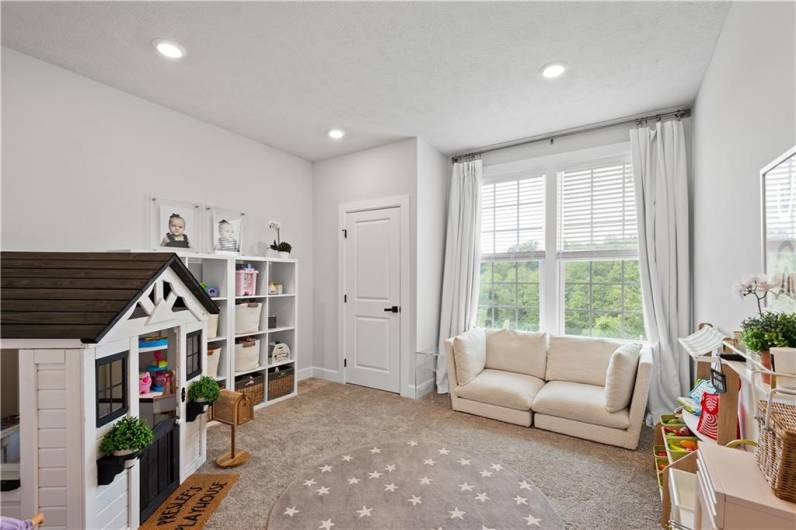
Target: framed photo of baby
176	225
226	230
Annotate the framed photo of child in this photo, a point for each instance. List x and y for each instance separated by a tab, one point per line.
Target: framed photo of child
176	225
226	230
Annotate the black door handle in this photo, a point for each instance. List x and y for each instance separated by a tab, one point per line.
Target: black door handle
393	309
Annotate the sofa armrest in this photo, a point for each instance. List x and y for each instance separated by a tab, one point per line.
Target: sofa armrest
638	403
451	363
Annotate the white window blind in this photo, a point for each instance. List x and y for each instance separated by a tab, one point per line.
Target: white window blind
512	217
597	209
780	213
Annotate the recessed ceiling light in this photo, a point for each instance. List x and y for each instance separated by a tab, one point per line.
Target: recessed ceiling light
169	49
553	70
336	134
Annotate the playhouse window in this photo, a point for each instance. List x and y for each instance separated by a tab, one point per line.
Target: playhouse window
112	392
193	354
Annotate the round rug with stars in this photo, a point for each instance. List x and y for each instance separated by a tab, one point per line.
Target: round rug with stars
411	485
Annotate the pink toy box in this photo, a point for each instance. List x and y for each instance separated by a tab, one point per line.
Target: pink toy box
246	282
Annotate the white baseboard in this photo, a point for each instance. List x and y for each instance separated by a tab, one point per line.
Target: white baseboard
321	373
423	388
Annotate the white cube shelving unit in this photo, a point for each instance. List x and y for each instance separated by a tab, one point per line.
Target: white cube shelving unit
218	270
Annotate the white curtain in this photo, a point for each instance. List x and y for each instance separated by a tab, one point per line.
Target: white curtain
661	182
462	259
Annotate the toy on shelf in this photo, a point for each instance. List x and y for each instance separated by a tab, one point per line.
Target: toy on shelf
159	370
280	352
211	291
275	288
144	382
246	280
153	342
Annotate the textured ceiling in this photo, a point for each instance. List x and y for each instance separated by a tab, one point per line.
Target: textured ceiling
460	75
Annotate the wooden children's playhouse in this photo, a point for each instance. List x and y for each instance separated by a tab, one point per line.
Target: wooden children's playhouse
82	326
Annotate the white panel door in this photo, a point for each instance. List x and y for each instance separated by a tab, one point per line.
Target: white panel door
373	288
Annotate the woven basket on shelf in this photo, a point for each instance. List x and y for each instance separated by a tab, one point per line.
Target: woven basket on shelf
280	383
253	386
776	447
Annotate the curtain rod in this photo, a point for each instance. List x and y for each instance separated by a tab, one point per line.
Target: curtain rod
637	120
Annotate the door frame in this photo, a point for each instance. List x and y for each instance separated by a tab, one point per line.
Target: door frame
407	310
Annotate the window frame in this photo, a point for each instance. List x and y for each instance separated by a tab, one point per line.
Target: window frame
189	354
123	356
551	259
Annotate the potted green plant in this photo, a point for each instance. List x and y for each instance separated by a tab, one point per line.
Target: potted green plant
127	438
201	392
770	331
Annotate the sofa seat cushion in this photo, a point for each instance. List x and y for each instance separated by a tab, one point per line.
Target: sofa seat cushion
579	402
504	389
516	351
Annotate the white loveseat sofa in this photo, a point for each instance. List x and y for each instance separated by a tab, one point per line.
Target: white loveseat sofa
556	383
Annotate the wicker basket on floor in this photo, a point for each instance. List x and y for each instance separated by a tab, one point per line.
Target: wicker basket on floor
280	382
776	449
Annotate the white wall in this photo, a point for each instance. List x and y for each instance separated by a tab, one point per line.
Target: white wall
433	183
80	158
385	171
744	116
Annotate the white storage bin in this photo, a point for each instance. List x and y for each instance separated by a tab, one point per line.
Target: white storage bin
247	355
247	318
213	357
212	326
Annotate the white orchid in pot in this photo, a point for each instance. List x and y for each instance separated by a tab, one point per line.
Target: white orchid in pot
279	248
772	335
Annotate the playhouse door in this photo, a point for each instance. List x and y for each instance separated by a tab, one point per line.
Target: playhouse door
160	473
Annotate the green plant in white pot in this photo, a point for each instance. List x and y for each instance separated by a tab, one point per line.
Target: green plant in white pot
128	436
279	248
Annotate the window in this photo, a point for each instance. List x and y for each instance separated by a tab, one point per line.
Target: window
193	354
512	243
111	387
568	264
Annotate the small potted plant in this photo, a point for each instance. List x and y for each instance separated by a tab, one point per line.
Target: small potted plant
127	438
279	248
201	392
770	332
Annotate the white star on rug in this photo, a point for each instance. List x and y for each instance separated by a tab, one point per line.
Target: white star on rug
525	486
390	487
443	451
486	473
291	511
485	528
412	443
353	480
520	500
464	462
497	467
327	524
364	512
482	497
347	458
375	450
323	490
457	513
429	461
415	500
375	474
325	468
389	468
425	481
531	520
310	482
465	487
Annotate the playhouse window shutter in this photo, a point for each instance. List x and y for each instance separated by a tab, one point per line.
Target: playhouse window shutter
597	209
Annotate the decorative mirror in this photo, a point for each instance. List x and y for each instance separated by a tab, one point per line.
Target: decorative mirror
778	192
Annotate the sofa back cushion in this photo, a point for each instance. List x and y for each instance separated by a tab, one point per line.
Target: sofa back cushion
469	353
620	378
579	359
516	351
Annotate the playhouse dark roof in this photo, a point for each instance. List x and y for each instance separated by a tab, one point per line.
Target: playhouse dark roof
79	295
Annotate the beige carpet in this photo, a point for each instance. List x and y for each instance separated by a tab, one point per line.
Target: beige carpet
589	485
